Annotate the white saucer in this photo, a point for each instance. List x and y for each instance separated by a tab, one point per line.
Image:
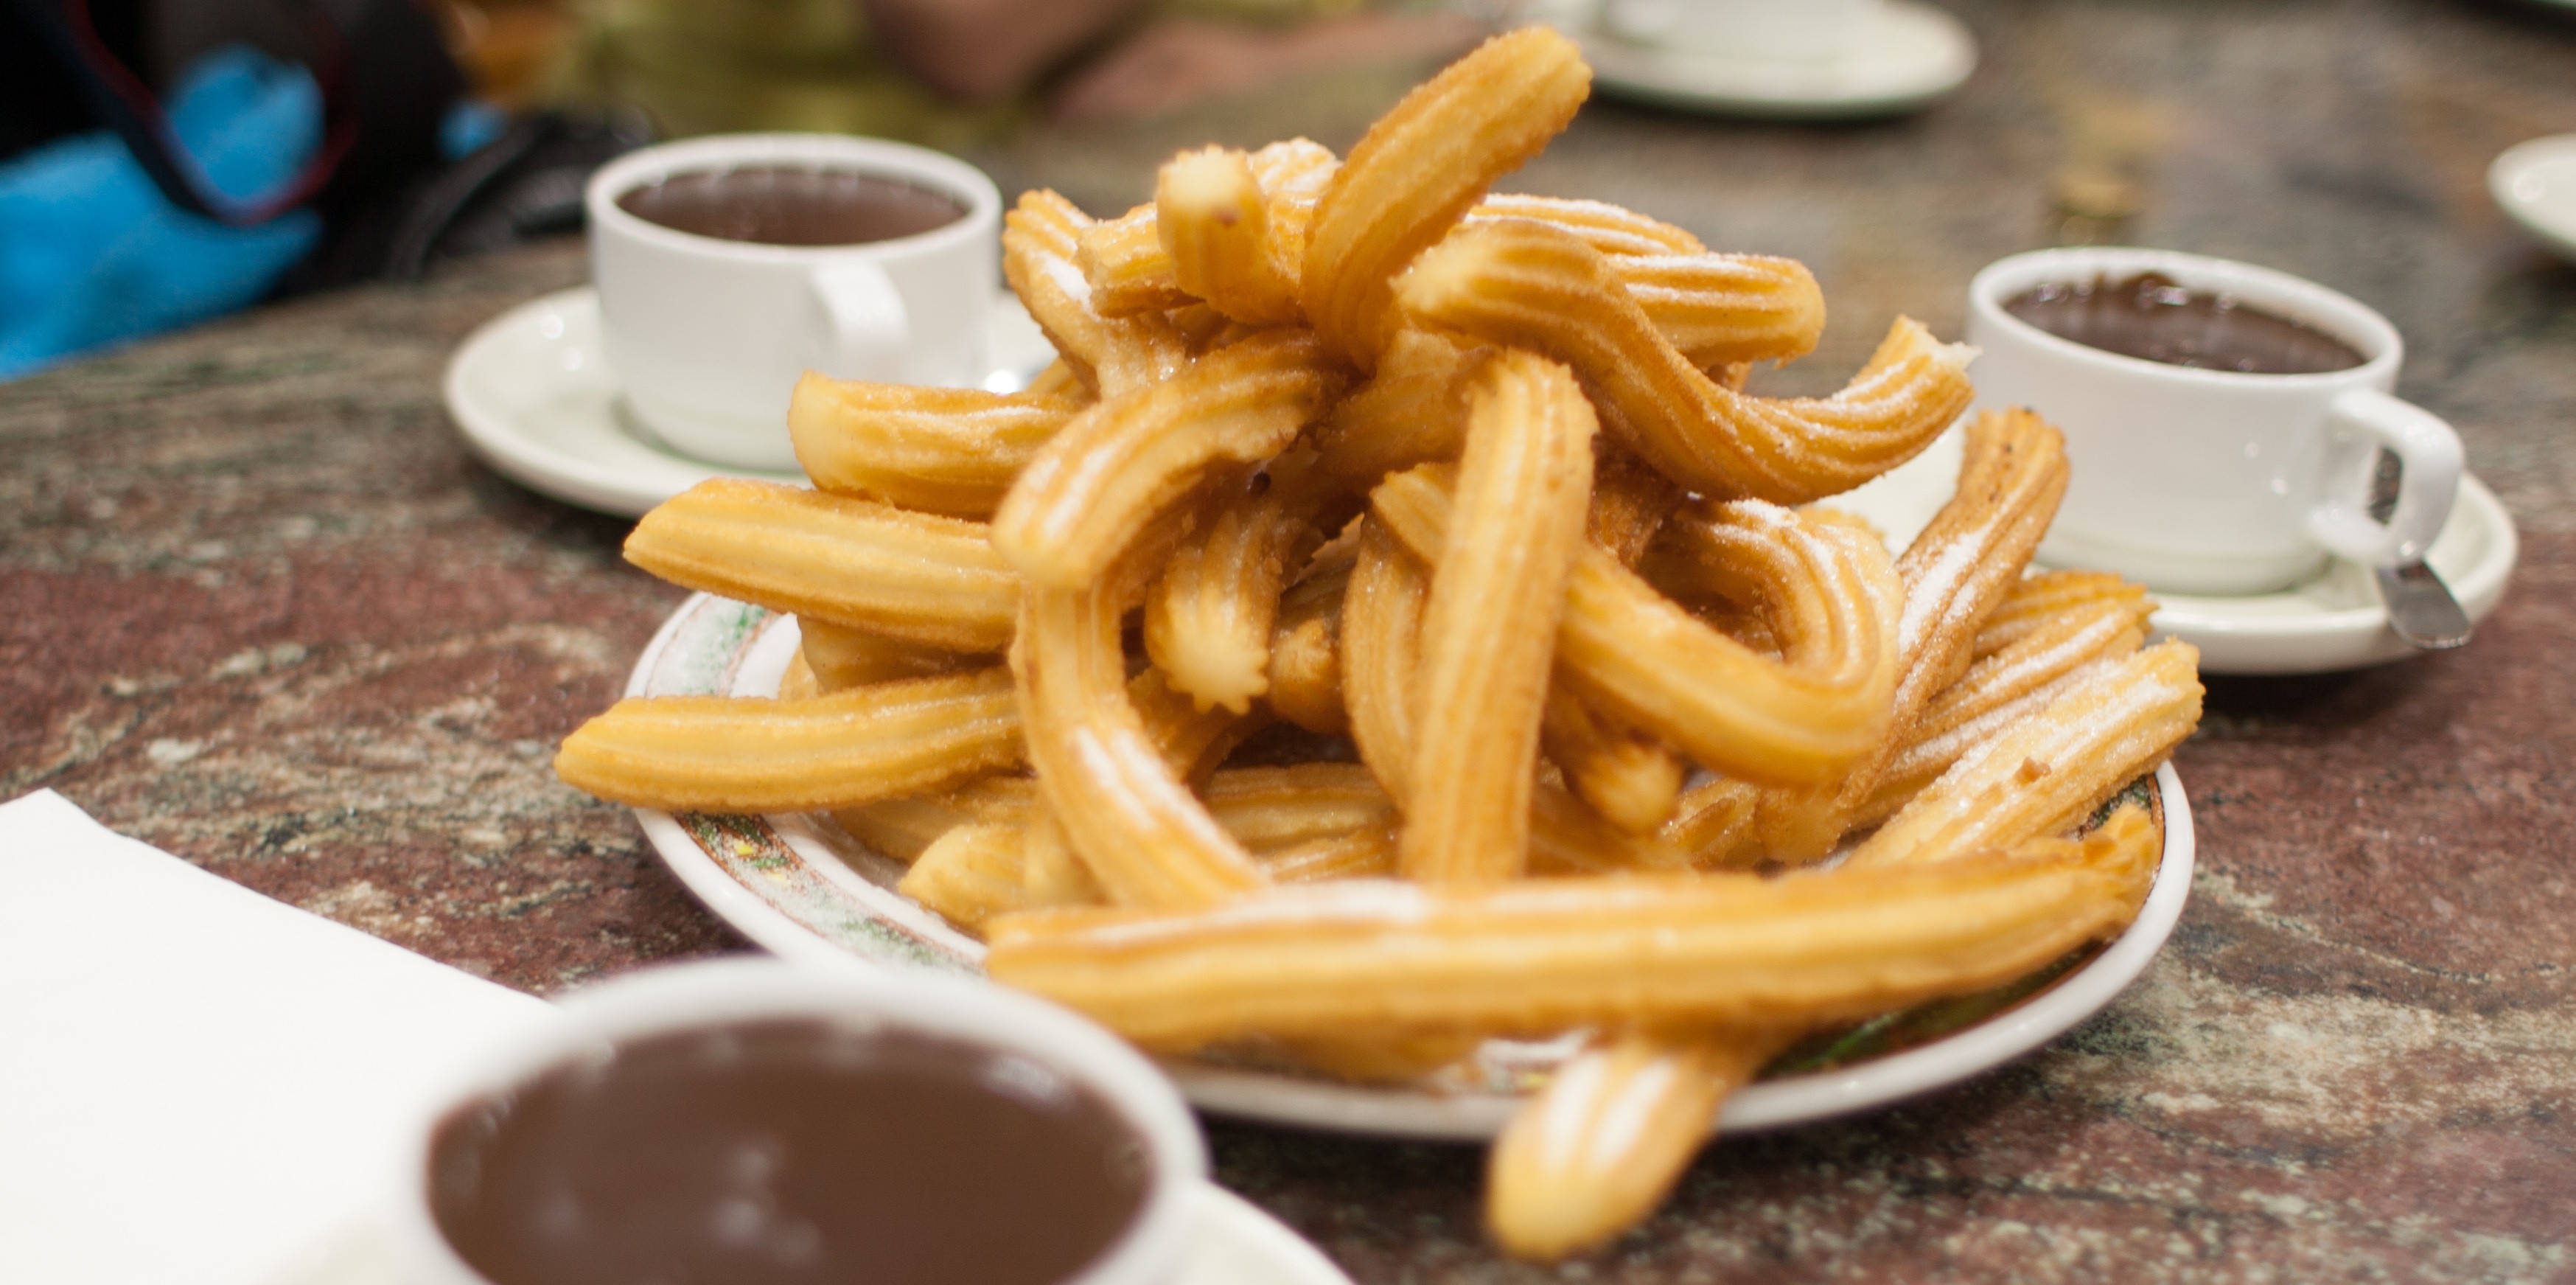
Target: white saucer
2535	182
533	396
1237	1244
2335	621
1912	55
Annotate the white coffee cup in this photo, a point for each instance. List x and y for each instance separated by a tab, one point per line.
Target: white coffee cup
707	337
1747	30
708	996
2215	481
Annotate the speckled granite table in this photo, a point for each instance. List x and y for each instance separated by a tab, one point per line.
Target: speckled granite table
258	607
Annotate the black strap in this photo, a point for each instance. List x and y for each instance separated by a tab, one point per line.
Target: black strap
120	98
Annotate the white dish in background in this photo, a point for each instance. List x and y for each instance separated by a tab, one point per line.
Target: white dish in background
2535	182
801	888
2335	621
533	396
1237	1244
1911	56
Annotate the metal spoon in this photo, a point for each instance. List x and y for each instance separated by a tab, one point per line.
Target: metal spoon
2420	607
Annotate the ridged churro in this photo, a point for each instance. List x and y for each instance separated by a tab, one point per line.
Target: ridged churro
1096	484
1208	616
1350	957
1214	220
1528	284
913	576
839	657
1041	238
1420	167
716	754
1488	625
938	450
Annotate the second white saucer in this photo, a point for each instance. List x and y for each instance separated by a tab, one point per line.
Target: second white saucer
2335	621
532	394
1910	56
2535	183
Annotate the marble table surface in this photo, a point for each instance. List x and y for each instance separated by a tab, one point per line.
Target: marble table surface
258	607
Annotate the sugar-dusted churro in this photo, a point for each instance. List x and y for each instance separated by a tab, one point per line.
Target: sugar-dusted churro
2035	601
1132	272
971	874
1628	775
1041	238
1208	617
716	754
1096	484
1350	957
1131	817
1804	718
939	450
2051	770
1381	650
924	579
1214	220
1409	412
1268	808
1713	823
1488	635
1528	284
1421	166
2011	475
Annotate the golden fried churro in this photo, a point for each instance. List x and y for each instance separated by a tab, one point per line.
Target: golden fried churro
1568	838
1040	238
1127	267
1592	1153
903	828
1359	854
715	754
2003	690
1713	822
1215	223
1420	167
1614	230
1408	413
2043	597
1354	956
1531	285
1629	777
939	450
1269	808
1129	815
971	874
2047	773
1381	649
1804	718
1208	617
1100	480
923	579
1488	627
1306	653
839	657
1050	873
2012	473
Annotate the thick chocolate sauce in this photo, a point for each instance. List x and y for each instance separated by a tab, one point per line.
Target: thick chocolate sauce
788	1153
776	205
2153	317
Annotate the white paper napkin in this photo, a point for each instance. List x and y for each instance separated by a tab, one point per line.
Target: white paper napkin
197	1083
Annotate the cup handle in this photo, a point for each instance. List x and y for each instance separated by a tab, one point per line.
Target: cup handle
2358	423
866	331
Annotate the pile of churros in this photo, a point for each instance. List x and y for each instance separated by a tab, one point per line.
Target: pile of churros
1574	711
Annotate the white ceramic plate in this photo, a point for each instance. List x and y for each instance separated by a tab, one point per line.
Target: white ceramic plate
532	394
2335	621
802	888
1911	56
1237	1244
2535	182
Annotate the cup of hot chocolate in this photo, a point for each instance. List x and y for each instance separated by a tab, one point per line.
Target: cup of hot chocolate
2224	420
764	1123
728	266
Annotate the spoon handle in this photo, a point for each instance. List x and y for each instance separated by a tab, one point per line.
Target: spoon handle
2421	608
